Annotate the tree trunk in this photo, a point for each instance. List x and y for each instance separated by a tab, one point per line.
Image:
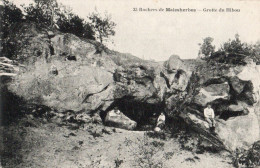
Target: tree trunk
52	17
100	38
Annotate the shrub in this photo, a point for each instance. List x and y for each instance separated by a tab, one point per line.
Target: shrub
234	52
250	157
71	23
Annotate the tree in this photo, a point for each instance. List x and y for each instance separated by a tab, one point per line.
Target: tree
49	13
103	26
206	49
10	15
88	32
71	23
235	52
43	12
235	46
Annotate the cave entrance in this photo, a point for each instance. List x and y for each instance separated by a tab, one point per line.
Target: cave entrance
145	114
228	114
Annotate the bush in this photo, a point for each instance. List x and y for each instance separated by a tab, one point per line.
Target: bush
47	13
234	52
251	157
10	15
74	24
225	58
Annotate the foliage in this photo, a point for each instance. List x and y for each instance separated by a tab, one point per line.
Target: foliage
10	15
43	12
236	46
235	52
49	13
250	158
206	48
255	52
71	23
103	26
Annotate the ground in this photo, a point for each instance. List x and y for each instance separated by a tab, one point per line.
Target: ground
34	143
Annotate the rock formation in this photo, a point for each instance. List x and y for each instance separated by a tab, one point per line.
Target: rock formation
65	72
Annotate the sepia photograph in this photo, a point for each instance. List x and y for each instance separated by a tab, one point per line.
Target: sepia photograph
130	84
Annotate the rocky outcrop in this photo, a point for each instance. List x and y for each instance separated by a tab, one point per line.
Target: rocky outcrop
68	73
234	94
93	82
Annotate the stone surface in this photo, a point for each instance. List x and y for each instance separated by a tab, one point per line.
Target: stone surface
98	77
211	93
174	63
138	82
240	131
119	120
236	107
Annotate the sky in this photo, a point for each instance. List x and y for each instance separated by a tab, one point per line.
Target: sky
160	34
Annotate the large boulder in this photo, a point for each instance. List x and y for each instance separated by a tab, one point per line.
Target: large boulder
137	82
176	73
177	80
250	73
119	120
236	132
161	86
211	93
100	100
240	131
196	121
174	63
76	87
50	78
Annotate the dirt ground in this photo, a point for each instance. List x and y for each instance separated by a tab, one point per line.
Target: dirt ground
31	143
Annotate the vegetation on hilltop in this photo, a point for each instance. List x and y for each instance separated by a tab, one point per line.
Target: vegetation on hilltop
50	15
231	52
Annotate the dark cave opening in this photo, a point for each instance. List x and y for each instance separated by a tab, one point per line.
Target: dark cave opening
144	114
227	114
